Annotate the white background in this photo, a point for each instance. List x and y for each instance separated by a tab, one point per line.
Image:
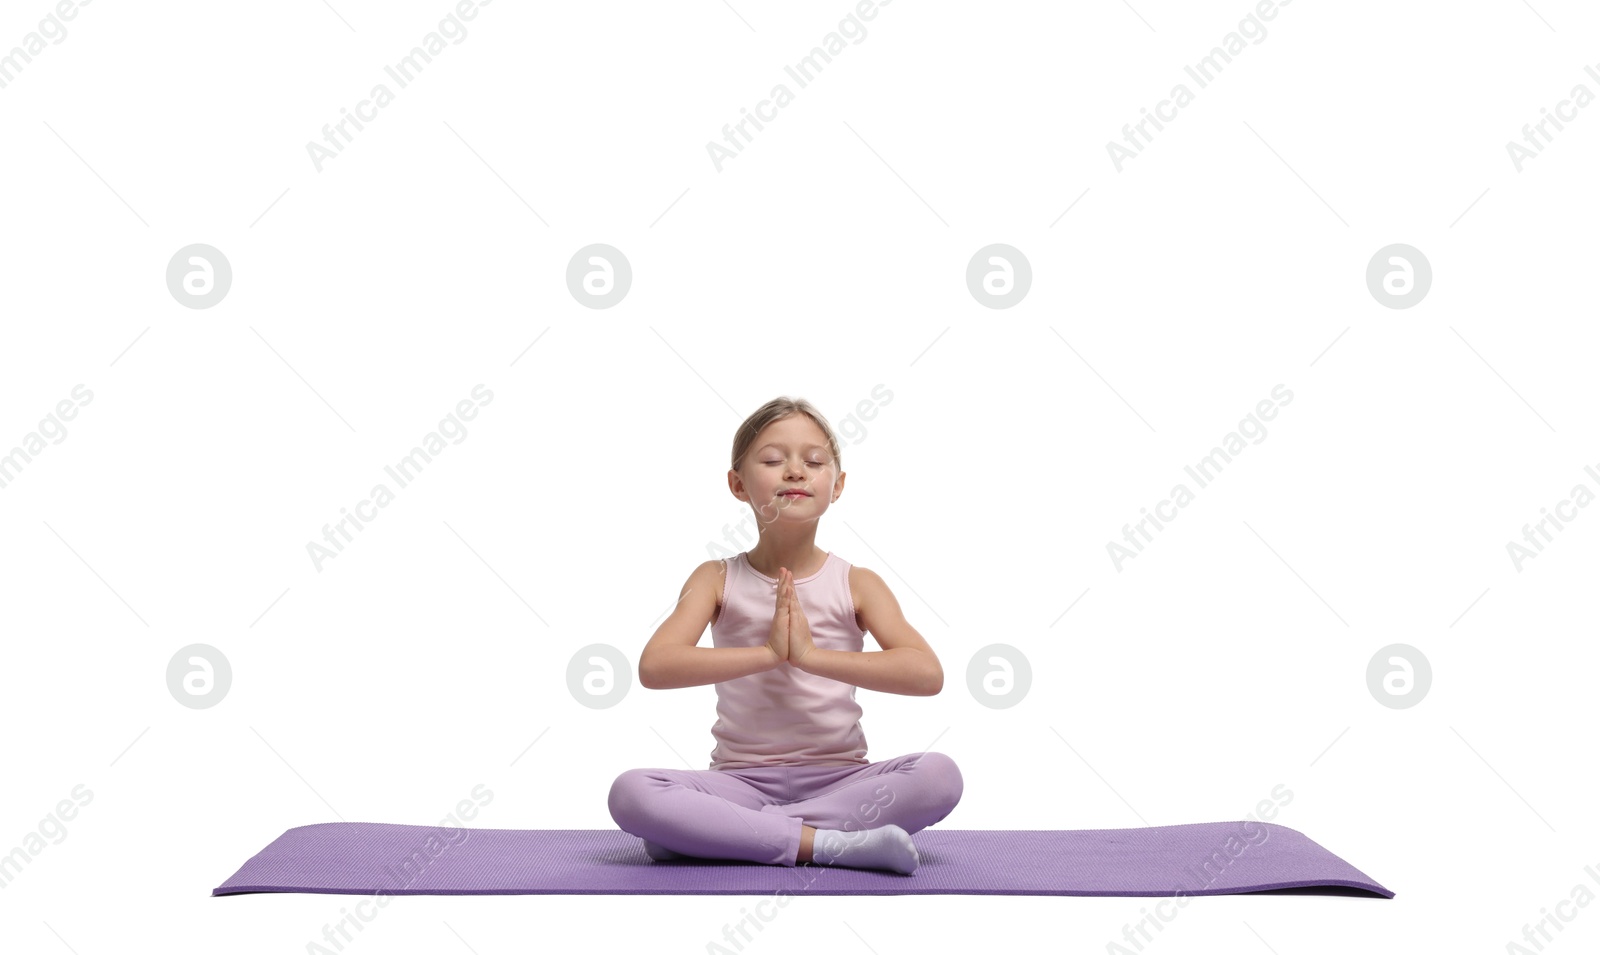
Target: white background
825	260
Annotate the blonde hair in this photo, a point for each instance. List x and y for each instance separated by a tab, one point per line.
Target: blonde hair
776	410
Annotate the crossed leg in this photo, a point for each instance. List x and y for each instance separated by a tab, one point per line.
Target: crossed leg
742	815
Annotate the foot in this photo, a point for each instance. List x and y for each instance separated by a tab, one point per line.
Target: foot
887	847
661	853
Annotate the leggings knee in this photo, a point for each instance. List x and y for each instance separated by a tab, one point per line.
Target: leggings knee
628	797
943	779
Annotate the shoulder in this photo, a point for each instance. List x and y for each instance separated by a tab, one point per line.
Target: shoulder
712	574
862	577
707	575
866	587
709	570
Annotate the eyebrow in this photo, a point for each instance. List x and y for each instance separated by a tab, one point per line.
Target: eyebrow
780	444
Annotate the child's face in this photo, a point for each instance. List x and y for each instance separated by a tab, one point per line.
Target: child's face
787	455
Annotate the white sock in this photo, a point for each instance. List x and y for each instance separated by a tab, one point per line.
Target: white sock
887	847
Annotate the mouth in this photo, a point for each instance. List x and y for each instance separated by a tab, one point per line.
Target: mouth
794	494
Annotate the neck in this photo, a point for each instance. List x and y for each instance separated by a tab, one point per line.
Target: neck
794	548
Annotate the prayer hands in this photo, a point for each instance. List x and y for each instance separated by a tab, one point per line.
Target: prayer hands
790	639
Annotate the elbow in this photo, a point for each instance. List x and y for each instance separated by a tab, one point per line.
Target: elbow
660	669
935	681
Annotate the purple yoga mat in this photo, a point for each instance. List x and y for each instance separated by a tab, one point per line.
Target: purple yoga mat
1208	858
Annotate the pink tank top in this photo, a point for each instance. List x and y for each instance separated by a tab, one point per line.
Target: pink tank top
785	716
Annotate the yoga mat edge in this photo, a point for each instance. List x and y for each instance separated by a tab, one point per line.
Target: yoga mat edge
1197	859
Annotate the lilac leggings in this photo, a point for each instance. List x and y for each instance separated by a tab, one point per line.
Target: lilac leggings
756	814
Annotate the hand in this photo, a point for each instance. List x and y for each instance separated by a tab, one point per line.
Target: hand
790	637
778	637
799	627
800	642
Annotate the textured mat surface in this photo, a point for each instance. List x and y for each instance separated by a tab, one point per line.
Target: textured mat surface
1209	858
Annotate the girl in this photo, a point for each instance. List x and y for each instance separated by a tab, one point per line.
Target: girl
789	780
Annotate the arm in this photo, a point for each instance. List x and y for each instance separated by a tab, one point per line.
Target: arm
670	659
905	665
